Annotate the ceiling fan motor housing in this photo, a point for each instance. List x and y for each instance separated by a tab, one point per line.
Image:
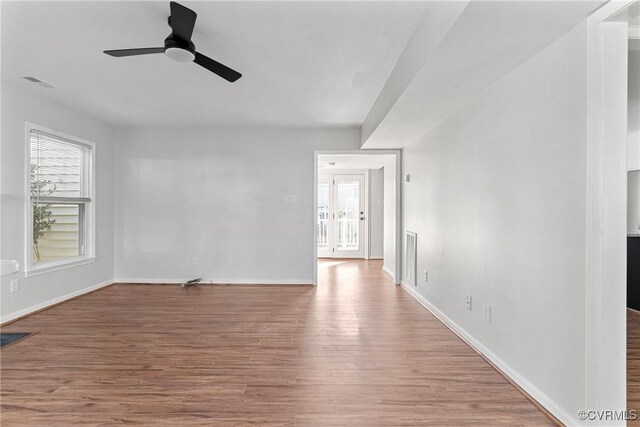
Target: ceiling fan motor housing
179	50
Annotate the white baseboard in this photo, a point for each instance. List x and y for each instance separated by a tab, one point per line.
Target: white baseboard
389	273
220	281
544	400
37	307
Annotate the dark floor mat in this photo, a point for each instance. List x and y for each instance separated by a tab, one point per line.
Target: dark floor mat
12	337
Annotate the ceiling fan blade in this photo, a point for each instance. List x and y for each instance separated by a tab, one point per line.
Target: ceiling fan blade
133	52
217	68
183	20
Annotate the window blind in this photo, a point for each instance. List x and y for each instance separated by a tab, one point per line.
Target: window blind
58	169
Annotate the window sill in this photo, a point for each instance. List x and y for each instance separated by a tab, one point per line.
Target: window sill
58	265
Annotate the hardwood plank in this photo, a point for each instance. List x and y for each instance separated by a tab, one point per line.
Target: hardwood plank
355	350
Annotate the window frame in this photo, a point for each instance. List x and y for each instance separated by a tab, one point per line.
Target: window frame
86	224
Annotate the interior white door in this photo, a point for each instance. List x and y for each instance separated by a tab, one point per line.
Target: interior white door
347	217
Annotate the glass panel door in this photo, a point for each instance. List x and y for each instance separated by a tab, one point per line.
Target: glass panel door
324	248
349	216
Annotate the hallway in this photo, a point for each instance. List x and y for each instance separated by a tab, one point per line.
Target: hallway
356	350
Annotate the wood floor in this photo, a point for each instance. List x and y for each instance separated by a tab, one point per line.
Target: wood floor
633	363
356	350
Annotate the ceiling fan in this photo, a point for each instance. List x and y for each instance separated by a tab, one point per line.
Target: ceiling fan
178	45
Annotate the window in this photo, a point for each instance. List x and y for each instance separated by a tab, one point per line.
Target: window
60	195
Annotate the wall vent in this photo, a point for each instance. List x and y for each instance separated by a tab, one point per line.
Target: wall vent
410	264
38	82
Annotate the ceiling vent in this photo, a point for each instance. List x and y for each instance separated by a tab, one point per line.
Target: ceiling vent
38	82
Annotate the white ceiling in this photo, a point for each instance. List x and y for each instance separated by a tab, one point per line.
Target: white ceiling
353	161
303	63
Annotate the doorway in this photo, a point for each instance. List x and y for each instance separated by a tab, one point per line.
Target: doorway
357	207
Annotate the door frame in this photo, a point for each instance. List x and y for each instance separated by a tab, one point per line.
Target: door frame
397	154
605	310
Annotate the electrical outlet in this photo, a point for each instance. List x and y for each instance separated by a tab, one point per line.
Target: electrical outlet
468	302
425	275
15	285
486	312
228	262
194	260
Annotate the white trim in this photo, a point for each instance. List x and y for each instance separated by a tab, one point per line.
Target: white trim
314	213
605	317
633	138
48	267
89	231
389	273
53	301
284	282
367	201
471	341
64	136
399	219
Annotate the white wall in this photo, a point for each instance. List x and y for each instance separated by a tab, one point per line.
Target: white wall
376	213
218	194
20	105
390	208
498	200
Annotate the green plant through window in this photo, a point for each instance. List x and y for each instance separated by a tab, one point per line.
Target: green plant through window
42	214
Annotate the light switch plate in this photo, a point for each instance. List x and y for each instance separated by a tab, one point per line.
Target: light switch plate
486	312
15	285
